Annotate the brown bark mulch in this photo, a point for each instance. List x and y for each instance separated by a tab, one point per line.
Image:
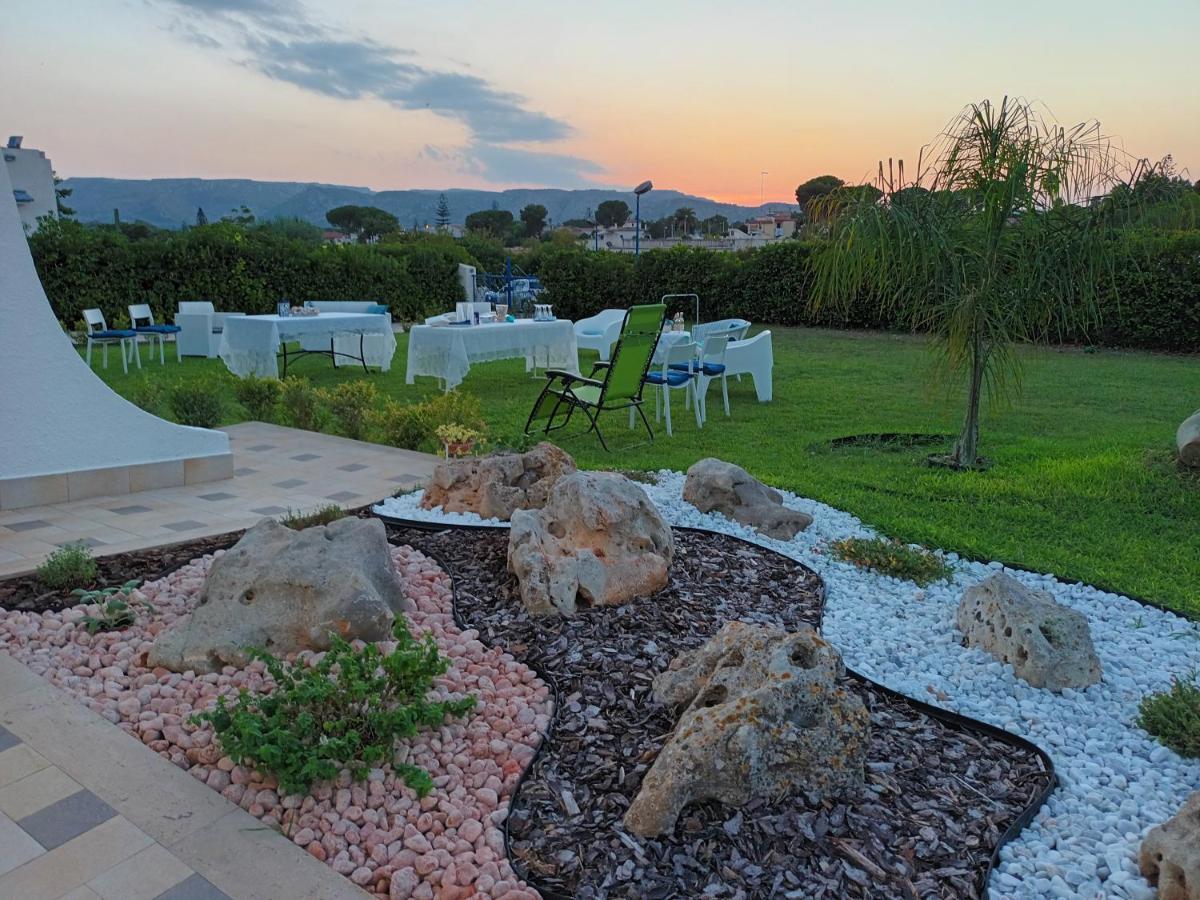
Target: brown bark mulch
27	594
939	795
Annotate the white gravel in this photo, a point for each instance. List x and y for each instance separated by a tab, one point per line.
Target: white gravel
1116	781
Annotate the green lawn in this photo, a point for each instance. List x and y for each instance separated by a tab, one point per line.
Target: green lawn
1082	484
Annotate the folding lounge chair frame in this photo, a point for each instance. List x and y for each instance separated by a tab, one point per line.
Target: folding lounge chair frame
620	388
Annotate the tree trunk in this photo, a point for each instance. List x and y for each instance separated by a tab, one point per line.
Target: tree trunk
966	450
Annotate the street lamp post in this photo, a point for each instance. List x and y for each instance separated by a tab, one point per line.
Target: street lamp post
644	188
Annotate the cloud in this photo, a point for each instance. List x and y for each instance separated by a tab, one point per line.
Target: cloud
512	165
278	39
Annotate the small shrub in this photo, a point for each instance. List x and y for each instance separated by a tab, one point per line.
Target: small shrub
401	424
149	393
67	566
351	403
346	712
893	558
1174	716
197	403
301	403
322	515
455	408
260	396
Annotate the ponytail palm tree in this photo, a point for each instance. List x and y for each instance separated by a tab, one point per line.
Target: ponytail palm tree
998	240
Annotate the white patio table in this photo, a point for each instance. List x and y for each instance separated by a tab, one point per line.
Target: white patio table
446	352
253	345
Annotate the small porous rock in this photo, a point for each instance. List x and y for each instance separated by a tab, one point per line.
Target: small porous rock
1170	854
1047	644
713	485
766	715
598	541
496	485
1187	438
285	591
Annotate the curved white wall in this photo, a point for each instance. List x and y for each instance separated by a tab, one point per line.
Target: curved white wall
56	415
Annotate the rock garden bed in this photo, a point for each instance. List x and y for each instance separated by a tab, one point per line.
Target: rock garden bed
940	796
378	833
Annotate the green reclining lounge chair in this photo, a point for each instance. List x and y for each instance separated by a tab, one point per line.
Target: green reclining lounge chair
619	387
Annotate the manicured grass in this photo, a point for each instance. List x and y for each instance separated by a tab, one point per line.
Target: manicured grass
1083	481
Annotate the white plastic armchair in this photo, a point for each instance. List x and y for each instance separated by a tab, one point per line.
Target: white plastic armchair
737	329
600	332
753	357
199	328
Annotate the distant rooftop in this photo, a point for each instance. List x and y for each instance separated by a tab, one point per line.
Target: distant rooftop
22	196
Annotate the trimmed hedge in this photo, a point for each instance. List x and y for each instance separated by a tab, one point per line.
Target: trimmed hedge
1155	304
238	270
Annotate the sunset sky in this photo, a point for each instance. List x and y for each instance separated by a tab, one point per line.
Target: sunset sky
698	96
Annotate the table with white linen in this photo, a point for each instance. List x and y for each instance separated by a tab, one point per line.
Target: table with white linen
447	351
249	344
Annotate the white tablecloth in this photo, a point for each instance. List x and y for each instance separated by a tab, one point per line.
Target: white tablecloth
447	351
249	346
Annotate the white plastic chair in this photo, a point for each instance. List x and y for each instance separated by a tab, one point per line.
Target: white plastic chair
708	367
736	327
600	332
677	371
753	357
200	328
142	320
98	332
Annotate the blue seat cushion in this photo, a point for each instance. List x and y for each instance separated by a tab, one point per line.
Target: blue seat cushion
114	333
673	379
158	329
378	309
707	368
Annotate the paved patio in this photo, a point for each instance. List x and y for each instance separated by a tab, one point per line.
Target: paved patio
89	813
276	469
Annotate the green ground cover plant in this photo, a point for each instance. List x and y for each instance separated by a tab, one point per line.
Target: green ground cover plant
892	557
346	712
1174	716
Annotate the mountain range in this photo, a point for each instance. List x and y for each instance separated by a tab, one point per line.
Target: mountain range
173	202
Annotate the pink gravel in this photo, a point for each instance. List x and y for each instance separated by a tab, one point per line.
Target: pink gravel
379	834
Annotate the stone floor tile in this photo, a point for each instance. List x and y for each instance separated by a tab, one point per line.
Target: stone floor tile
342	496
37	791
195	887
66	819
144	876
270	510
49	876
17	762
289	483
88	542
352	467
218	495
28	525
16	847
131	509
7	739
83	892
185	525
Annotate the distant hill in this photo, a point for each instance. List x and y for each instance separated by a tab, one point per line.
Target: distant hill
172	202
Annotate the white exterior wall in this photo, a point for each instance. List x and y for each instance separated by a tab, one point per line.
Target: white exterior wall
57	418
30	171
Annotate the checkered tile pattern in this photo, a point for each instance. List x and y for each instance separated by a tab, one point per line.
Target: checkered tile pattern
59	840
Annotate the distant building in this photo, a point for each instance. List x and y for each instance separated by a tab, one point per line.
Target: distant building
331	236
33	183
773	227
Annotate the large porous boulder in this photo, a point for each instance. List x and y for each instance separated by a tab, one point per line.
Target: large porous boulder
1047	644
598	541
494	486
766	714
1170	854
1187	438
713	485
282	590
